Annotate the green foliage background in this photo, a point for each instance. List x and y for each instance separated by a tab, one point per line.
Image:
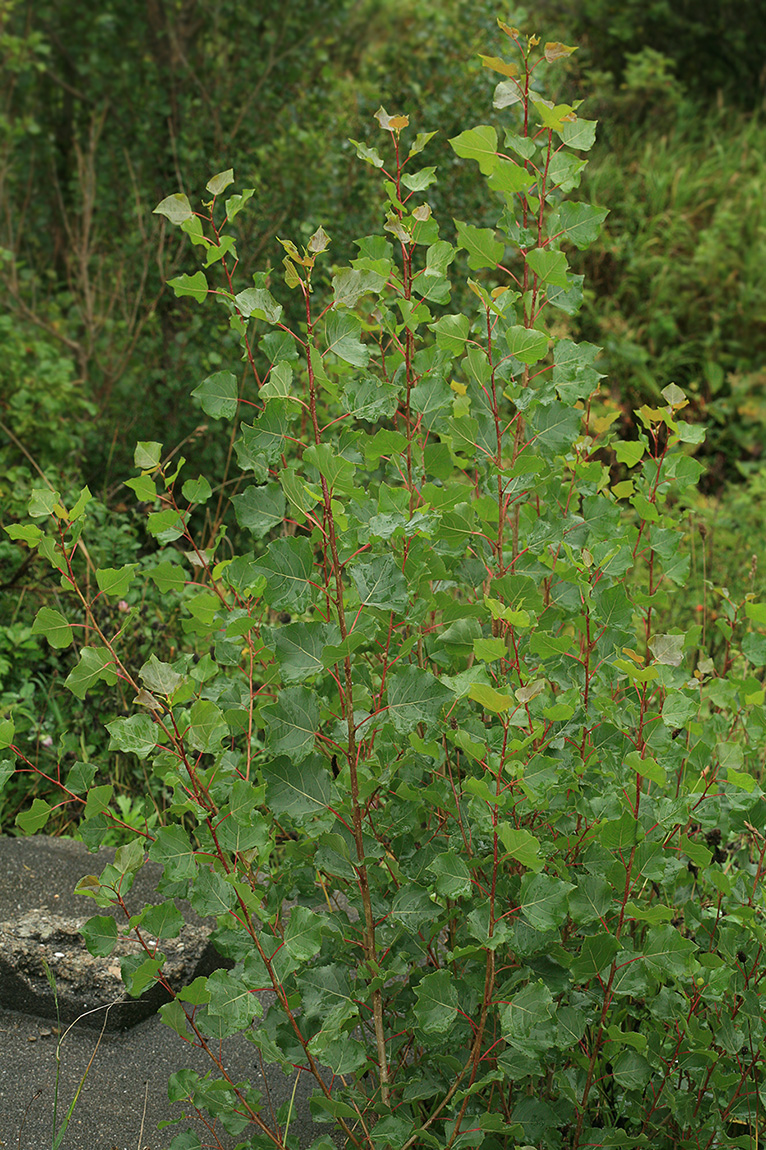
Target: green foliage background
454	637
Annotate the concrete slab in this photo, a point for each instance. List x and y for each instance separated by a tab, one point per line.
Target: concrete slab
40	920
125	1094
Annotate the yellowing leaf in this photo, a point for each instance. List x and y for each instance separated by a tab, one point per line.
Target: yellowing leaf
391	123
556	51
498	65
489	698
527	693
674	396
602	423
509	31
319	242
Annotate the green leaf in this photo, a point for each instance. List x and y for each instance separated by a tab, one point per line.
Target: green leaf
412	907
42	501
27	532
591	900
99	799
220	182
53	626
478	144
698	853
420	180
207	726
100	934
303	936
196	992
160	677
7	731
528	1019
138	734
596	954
218	395
666	951
162	921
451	333
211	893
116	580
452	877
526	343
279	382
647	767
138	974
631	1070
319	241
484	250
266	436
351	284
574	373
366	397
338	472
621	834
668	649
419	143
96	664
175	208
174	852
258	302
556	425
580	134
489	650
342	331
437	999
260	509
232	1004
369	155
194	286
414	696
34	818
521	845
144	488
167	576
490	699
236	203
300	790
147	454
580	223
298	649
293	722
381	584
543	900
166	526
80	777
172	1014
287	567
511	178
550	266
740	779
654	913
678	708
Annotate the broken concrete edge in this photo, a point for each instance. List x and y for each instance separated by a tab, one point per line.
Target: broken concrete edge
38	880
